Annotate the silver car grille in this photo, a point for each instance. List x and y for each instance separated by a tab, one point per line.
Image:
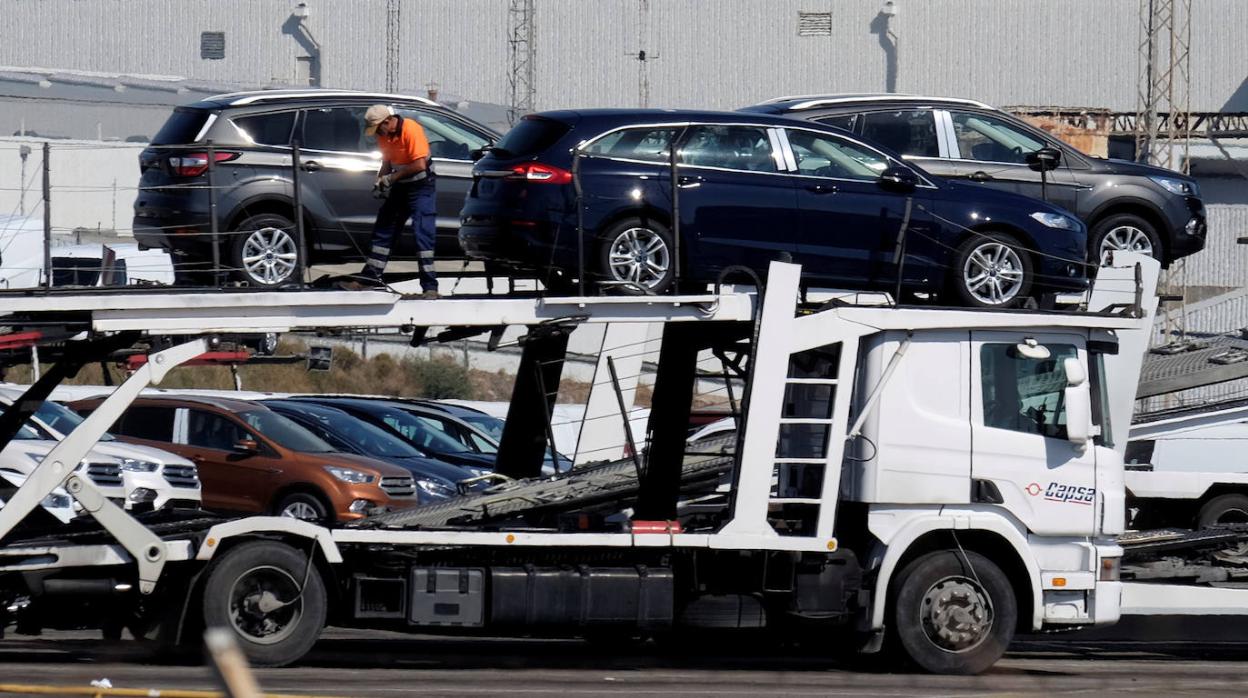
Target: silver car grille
104	474
398	486
181	476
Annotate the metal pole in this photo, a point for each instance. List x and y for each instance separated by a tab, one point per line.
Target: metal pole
671	162
214	226
628	432
580	223
302	267
47	216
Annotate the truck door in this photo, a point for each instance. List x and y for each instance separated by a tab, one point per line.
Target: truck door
1018	433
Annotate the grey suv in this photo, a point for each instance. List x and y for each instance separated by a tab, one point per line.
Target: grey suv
252	135
1126	205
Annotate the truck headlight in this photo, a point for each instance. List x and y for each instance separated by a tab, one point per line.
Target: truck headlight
135	465
355	477
1054	220
434	488
1178	187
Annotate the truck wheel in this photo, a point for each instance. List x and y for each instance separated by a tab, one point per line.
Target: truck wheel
264	252
1225	509
953	612
257	590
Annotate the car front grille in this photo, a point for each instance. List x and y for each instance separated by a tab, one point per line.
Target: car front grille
104	474
398	486
181	476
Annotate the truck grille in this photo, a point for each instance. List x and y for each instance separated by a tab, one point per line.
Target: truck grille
104	474
181	475
398	486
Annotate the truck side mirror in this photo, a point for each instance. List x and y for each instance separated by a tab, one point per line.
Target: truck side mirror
1078	398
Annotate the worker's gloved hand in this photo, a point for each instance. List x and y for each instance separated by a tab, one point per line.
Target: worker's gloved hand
379	190
385	180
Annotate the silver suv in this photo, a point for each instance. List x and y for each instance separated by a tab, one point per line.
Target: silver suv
252	135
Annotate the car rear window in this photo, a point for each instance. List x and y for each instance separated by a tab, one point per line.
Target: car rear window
267	129
531	136
182	127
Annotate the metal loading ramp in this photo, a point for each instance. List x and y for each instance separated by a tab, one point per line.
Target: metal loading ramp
592	488
1194	363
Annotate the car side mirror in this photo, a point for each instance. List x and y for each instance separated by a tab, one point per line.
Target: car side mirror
898	179
1044	160
478	153
1078	398
246	446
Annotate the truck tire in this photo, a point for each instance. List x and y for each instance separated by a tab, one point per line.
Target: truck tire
257	591
1224	509
953	612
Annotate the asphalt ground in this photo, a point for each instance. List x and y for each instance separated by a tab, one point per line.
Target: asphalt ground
1152	658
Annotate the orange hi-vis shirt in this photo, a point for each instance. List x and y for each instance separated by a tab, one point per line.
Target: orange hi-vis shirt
406	146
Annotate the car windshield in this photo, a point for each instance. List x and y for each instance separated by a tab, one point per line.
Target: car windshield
359	435
285	433
62	420
29	431
425	433
491	425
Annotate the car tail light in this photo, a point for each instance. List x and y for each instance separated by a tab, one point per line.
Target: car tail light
195	164
537	172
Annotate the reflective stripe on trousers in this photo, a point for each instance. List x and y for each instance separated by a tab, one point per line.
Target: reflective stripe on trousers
414	201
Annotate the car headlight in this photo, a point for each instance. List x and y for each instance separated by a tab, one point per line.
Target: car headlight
434	488
135	465
1178	187
1054	220
355	477
57	501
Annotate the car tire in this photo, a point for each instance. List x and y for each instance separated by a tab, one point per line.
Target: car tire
991	270
304	506
265	252
953	612
638	251
1123	231
1224	509
266	571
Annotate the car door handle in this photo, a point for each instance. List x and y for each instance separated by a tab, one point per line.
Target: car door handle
689	181
980	176
821	188
312	166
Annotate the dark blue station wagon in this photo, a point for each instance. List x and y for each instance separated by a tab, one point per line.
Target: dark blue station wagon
752	188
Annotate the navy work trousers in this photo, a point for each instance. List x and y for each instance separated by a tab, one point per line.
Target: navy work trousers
414	201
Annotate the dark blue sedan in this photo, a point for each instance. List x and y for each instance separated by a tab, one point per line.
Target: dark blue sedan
749	189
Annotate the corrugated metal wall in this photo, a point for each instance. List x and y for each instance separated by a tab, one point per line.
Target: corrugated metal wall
721	53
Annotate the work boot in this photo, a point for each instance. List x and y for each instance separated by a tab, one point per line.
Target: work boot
430	296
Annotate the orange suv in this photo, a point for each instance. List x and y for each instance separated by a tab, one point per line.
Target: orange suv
253	460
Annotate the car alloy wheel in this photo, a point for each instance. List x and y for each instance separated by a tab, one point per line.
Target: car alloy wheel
304	511
639	256
269	256
993	273
1125	238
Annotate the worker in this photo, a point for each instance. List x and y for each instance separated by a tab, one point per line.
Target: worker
406	180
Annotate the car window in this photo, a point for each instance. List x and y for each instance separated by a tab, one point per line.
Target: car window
61	419
989	139
339	129
447	138
182	126
845	121
647	144
147	422
745	148
267	129
481	443
285	432
531	136
1023	394
909	132
425	433
461	433
208	430
825	155
492	426
355	434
